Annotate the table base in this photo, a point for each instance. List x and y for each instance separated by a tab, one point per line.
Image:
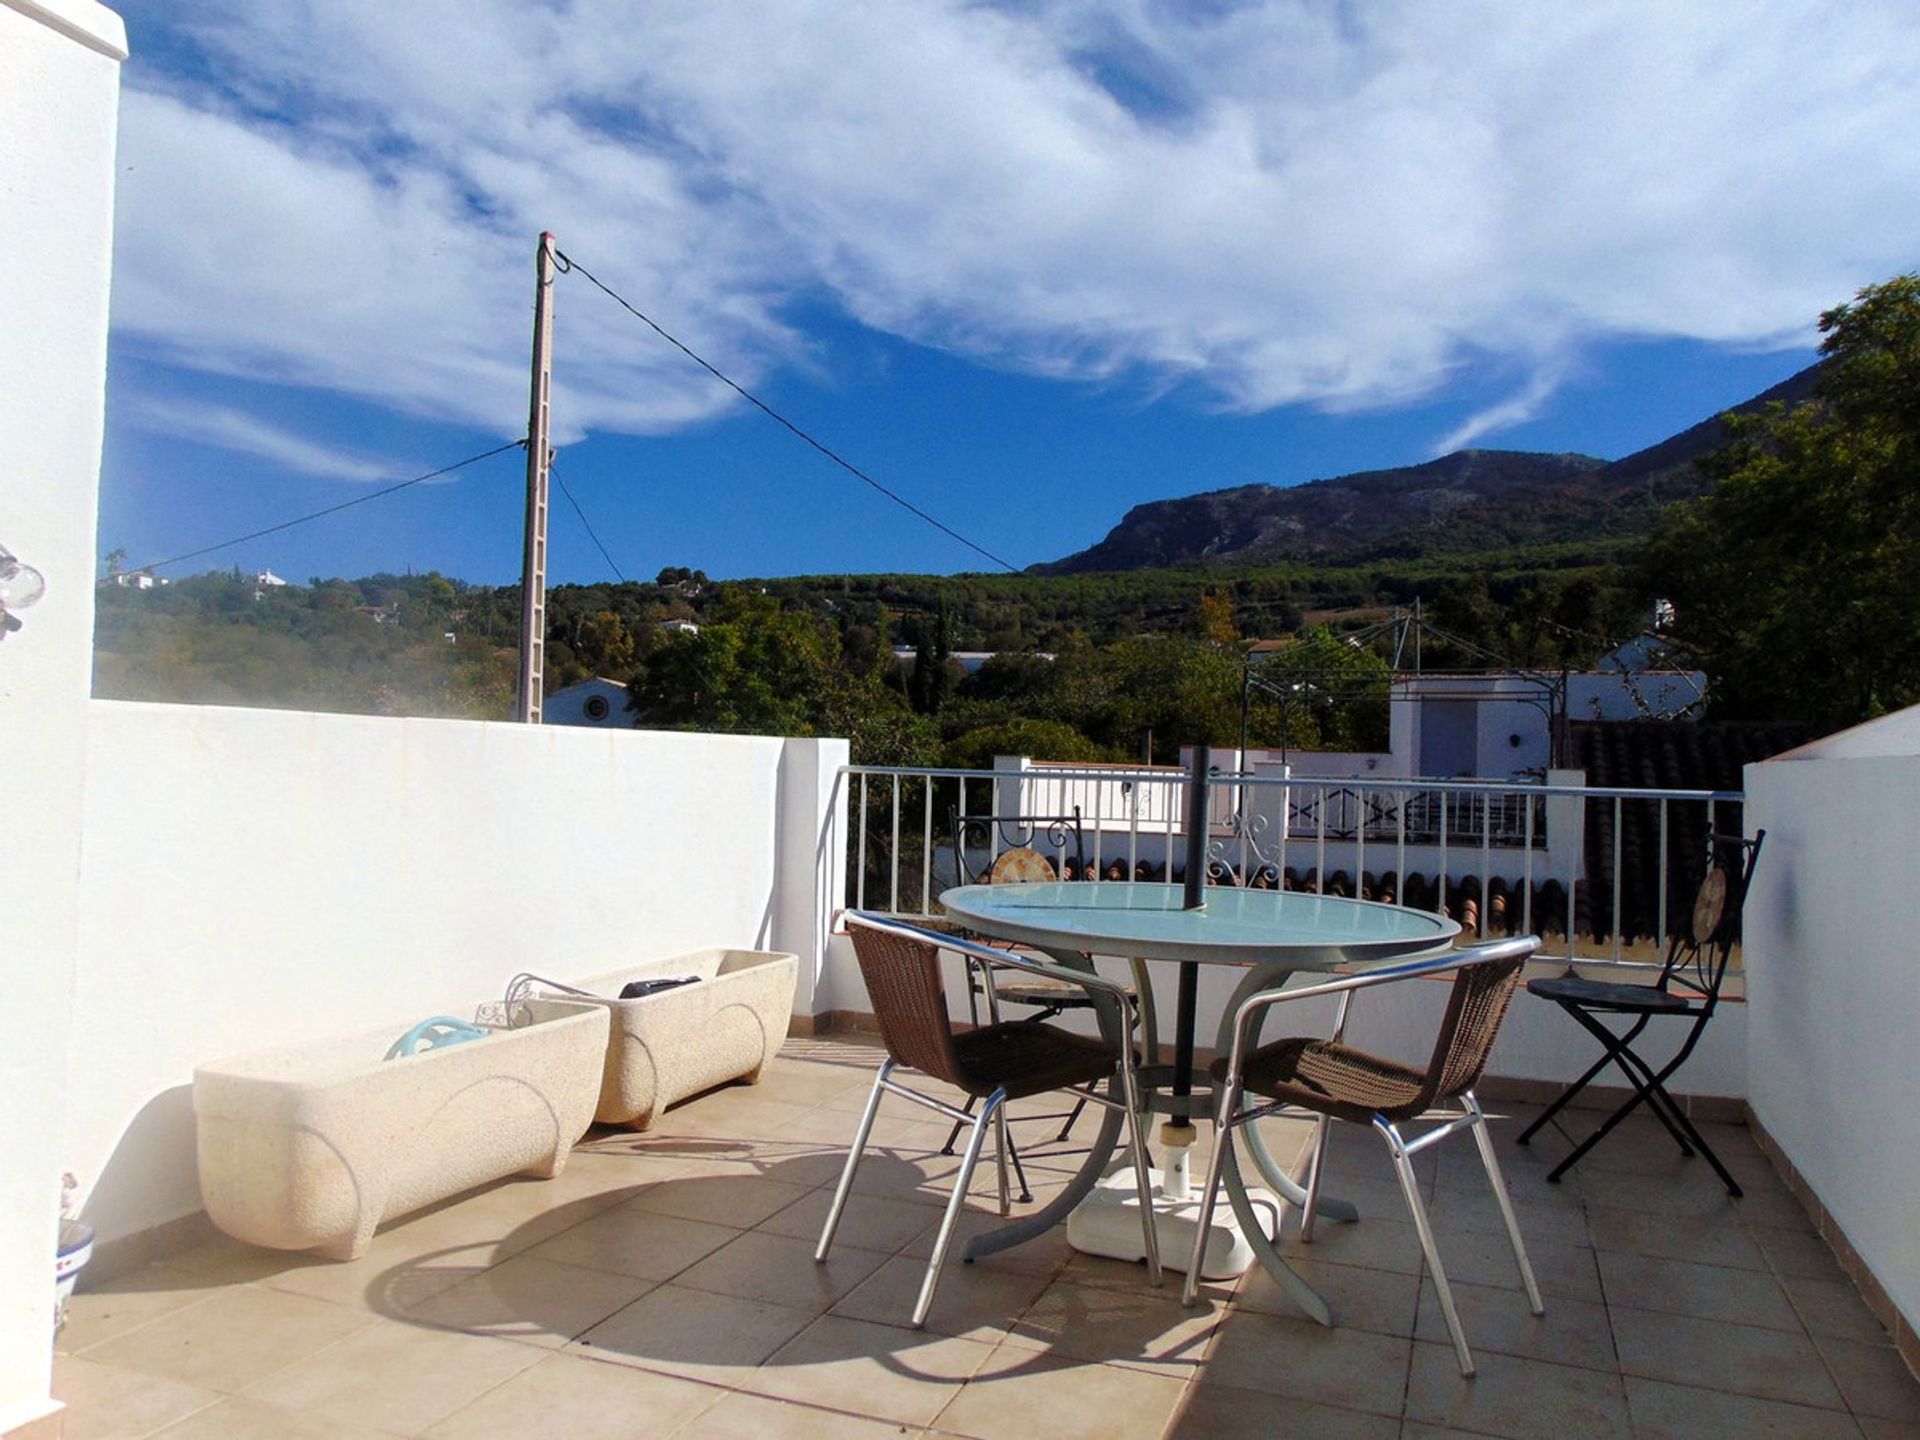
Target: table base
1107	1223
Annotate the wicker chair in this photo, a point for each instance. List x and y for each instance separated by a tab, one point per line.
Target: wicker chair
1697	957
992	1065
1334	1081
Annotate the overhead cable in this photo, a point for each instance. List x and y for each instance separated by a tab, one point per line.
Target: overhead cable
567	265
343	505
554	471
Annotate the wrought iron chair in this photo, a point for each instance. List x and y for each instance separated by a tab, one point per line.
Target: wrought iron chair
992	1064
1021	863
1696	963
1335	1081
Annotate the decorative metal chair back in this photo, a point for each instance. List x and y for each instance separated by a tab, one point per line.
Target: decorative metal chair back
1700	948
1017	832
1481	994
909	1002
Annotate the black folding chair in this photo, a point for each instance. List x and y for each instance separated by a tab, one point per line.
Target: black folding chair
1688	987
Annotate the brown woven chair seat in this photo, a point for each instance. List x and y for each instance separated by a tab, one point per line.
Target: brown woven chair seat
1028	1059
1335	1079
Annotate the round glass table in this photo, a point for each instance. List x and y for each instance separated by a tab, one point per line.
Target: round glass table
1270	934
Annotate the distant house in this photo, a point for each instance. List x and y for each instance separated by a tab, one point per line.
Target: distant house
590	702
968	660
679	627
267	578
134	579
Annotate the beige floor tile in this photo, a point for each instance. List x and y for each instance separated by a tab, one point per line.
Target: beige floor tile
1225	1412
746	1117
1511	1396
1834	1307
233	1339
1020	1392
693	1333
1678	1412
390	1278
526	1298
1383	1301
237	1418
632	1242
1476	1211
581	1400
1741	1359
1373	1243
1142	1328
870	1222
1874	1428
972	1300
1348	1369
127	1303
755	1417
781	1271
885	1372
1873	1378
1700	1240
1572	1332
1707	1292
395	1377
741	1199
1795	1252
1566	1271
105	1402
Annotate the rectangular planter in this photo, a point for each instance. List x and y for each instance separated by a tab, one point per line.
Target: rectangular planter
313	1145
663	1048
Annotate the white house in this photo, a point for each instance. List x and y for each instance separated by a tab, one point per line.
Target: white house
679	627
591	702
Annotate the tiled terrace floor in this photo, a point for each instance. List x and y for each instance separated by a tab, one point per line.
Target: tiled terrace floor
664	1286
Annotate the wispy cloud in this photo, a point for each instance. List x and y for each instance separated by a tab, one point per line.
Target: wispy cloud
230	429
1276	204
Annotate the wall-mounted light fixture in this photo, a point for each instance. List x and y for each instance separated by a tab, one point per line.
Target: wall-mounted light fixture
21	587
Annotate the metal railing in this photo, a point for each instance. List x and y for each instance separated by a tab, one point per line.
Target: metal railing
1600	872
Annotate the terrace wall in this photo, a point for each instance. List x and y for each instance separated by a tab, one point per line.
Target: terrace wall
250	877
1835	988
59	108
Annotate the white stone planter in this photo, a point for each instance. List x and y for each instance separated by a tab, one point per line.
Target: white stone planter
663	1048
312	1146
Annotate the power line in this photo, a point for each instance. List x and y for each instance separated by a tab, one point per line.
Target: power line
343	505
554	471
568	265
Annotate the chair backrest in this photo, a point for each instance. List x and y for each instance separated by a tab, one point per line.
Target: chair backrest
1482	991
1056	832
909	1002
1702	943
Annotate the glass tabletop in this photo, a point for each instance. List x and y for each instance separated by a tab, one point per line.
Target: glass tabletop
1235	927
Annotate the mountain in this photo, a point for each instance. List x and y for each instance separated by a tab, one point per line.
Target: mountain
1471	500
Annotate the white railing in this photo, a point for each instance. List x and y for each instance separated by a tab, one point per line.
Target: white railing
1598	871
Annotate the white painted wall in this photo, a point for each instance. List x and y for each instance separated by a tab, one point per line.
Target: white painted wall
252	876
59	103
1833	976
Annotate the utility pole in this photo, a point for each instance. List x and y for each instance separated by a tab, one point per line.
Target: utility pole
533	561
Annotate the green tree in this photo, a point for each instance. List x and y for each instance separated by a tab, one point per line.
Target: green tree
1794	579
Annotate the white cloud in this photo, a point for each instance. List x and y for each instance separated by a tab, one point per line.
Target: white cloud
1277	204
230	429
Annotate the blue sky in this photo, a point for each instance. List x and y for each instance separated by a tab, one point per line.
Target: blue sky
1027	264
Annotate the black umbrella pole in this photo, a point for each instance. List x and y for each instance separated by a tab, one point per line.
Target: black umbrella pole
1198	780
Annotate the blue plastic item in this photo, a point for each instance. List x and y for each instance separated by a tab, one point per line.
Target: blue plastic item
435	1034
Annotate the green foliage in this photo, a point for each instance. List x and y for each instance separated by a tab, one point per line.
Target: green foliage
1048	739
1794	579
1323	692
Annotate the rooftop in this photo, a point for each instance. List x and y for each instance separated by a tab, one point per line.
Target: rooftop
664	1285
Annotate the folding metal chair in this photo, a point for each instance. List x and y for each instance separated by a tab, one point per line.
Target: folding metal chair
1697	956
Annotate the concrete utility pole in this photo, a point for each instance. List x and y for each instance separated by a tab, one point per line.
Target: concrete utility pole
533	563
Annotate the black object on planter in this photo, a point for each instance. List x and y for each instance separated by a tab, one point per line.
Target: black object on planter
640	989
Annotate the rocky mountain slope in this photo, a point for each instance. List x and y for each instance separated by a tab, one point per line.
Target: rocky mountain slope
1466	501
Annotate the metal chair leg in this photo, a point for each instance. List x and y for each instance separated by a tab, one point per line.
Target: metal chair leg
1072	1115
1223	1129
955	1204
845	1186
1000	1158
1310	1211
1142	1177
1410	1187
1499	1182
